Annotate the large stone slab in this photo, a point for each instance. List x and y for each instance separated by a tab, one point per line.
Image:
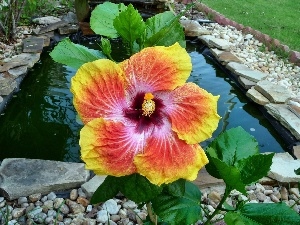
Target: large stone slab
227	57
257	97
28	58
275	93
23	177
246	83
204	180
52	27
5	66
69	29
233	66
7	84
206	39
18	71
33	45
220	43
46	20
294	106
91	186
287	118
253	75
244	71
282	168
224	56
193	29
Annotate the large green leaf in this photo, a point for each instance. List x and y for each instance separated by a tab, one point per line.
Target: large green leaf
183	209
129	25
102	18
230	174
138	188
135	187
233	145
238	219
74	55
255	167
164	29
264	214
107	190
177	188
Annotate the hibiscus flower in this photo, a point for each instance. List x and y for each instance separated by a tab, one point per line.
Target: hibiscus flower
141	117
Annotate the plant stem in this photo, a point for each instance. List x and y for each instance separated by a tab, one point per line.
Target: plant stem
152	215
219	207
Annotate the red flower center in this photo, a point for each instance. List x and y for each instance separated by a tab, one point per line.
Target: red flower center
145	111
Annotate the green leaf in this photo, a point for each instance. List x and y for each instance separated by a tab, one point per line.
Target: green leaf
179	209
238	219
106	47
230	174
74	55
255	167
233	145
211	167
270	213
107	190
138	188
176	188
102	18
130	25
164	29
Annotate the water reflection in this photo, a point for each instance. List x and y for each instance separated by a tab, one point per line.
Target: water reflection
233	106
40	121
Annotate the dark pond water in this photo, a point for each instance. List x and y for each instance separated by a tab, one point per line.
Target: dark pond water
40	121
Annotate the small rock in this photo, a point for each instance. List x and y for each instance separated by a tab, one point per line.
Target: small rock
115	218
129	205
110	222
295	191
111	206
81	193
274	198
261	197
122	213
48	205
89	208
51	196
102	216
75	208
214	196
58	202
35	197
268	192
18	212
74	194
83	201
64	209
22	200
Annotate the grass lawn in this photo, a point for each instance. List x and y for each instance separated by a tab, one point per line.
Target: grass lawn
279	19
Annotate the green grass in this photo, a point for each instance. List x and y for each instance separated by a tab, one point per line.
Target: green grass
279	19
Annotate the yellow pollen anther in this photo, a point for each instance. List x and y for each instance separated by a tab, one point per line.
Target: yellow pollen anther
148	105
148	96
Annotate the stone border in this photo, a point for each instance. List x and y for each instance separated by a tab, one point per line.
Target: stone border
13	70
294	56
275	98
